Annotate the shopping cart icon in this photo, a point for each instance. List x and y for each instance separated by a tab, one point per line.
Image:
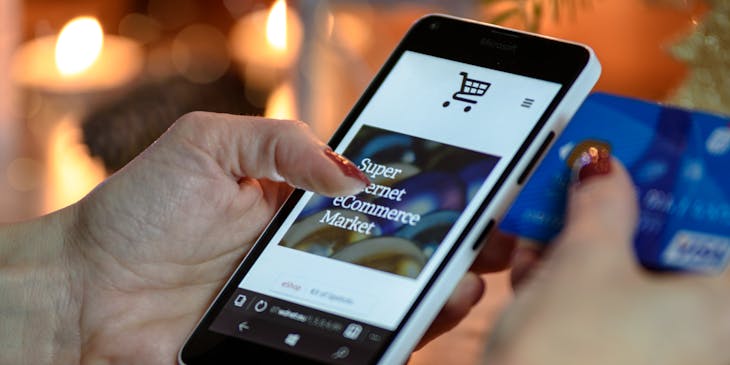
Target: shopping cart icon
469	87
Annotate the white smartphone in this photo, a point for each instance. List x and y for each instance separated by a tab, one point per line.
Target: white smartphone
447	132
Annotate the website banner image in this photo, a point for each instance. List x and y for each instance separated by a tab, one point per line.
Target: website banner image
418	190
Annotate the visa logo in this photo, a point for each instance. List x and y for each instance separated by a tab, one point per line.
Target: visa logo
697	251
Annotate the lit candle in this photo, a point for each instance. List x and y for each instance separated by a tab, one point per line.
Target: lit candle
70	71
267	43
81	59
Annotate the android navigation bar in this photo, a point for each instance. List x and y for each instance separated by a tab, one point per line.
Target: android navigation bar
281	324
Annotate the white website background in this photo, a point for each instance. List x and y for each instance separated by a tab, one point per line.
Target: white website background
410	101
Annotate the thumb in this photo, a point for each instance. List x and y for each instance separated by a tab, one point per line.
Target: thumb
278	150
601	218
602	210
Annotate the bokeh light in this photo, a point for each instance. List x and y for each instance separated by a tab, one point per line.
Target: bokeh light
79	45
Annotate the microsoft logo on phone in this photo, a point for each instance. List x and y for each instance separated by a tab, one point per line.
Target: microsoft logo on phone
470	88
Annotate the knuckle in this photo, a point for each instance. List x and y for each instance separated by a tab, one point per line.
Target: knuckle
193	117
300	124
291	129
292	125
191	122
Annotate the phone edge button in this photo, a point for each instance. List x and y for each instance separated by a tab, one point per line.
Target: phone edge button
477	245
533	162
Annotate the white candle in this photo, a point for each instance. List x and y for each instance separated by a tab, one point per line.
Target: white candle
80	60
70	70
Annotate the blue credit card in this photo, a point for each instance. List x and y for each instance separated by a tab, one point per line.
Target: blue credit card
680	163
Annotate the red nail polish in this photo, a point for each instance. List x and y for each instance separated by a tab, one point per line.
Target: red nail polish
348	168
594	161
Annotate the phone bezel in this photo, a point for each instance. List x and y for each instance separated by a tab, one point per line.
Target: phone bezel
441	36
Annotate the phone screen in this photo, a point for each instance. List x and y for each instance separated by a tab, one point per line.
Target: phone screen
339	276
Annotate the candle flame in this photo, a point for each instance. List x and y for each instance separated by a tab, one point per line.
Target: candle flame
276	25
79	45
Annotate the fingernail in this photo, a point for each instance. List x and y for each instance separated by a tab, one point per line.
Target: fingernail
593	161
348	168
276	177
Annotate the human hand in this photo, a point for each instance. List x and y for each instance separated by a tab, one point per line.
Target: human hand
588	301
155	242
146	251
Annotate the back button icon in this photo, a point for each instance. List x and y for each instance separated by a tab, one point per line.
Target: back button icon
244	326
